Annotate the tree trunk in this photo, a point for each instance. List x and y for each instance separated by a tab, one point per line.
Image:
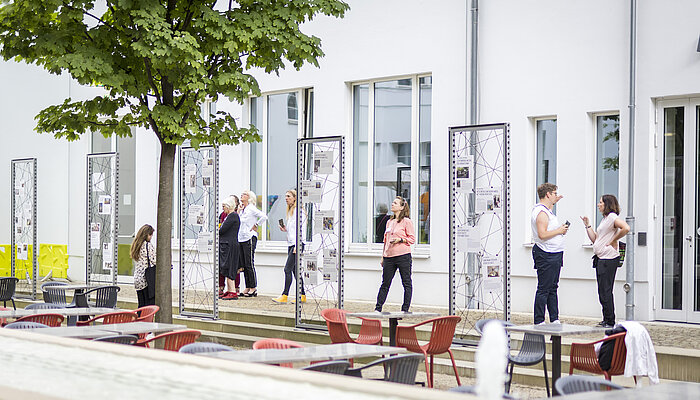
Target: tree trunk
164	227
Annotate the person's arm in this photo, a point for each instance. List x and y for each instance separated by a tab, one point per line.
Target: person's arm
226	226
589	229
260	216
542	221
151	254
410	238
622	230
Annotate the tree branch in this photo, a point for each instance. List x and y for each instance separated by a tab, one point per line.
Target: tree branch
151	81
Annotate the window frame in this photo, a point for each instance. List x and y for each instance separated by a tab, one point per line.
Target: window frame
594	162
302	94
370	247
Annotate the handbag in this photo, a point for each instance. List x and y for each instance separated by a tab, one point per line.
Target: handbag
622	248
150	276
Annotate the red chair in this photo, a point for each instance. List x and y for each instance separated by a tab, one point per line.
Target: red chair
440	341
582	357
118	317
274	343
3	321
145	314
370	330
173	341
53	320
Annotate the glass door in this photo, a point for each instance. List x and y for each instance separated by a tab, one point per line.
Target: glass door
678	298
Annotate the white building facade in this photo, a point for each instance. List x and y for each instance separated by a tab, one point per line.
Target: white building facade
395	77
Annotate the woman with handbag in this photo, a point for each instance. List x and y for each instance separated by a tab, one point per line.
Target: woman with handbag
606	258
399	236
144	272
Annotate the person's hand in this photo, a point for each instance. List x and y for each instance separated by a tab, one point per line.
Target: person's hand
395	240
294	250
613	244
382	262
254	228
563	229
283	228
585	221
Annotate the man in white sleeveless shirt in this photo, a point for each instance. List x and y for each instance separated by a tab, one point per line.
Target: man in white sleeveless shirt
548	252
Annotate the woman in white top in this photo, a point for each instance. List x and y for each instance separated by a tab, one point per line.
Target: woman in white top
290	267
145	256
250	217
606	257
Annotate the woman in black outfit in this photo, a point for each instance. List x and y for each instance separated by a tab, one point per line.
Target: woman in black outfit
229	248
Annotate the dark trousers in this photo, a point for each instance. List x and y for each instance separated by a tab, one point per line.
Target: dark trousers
548	266
248	258
144	300
605	271
391	264
290	269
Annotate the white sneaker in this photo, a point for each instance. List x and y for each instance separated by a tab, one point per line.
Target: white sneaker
556	321
376	312
542	323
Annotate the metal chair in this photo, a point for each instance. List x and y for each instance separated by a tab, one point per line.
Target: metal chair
105	296
7	290
440	341
399	369
52	320
54	294
119	317
577	383
582	357
274	343
331	367
532	351
44	306
203	347
25	325
472	390
120	339
174	341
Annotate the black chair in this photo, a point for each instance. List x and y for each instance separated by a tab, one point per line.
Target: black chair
330	367
120	339
54	294
578	383
472	390
7	290
105	296
532	351
398	369
43	306
203	347
25	325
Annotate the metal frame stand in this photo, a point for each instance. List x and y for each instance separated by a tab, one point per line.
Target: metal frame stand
320	228
199	232
102	185
479	224
23	226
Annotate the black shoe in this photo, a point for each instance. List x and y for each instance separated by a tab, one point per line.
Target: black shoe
603	324
250	294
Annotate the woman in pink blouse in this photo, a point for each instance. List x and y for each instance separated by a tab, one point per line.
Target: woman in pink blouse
398	238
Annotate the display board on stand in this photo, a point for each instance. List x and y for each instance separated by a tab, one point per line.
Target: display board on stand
320	228
23	248
102	218
199	233
479	225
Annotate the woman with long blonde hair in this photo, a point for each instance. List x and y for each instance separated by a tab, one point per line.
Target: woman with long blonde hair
145	256
291	228
250	217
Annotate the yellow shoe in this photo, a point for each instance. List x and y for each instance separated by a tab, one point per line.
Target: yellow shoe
281	299
303	298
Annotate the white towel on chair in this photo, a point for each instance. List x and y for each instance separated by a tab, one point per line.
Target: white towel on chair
641	357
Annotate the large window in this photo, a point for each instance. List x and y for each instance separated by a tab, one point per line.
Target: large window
280	120
546	151
394	116
607	157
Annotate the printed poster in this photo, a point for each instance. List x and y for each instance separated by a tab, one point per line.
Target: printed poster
107	252
488	200
95	236
205	242
310	269
311	191
324	221
190	178
195	215
464	173
323	162
492	267
104	205
467	239
22	251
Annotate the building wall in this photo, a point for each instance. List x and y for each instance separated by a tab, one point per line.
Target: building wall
545	58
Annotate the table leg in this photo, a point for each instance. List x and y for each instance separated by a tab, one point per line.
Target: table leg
393	323
556	362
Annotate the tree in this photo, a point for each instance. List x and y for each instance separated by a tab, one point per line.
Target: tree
158	61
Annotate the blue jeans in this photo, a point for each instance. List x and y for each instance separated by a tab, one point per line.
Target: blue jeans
548	266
